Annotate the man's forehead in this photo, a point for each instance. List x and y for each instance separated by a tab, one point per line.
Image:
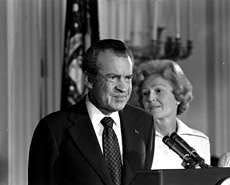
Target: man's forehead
110	59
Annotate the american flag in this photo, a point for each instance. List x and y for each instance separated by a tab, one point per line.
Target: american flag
81	30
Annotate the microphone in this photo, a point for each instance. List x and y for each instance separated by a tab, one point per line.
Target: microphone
192	152
184	155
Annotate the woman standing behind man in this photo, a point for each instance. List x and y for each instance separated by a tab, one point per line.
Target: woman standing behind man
165	92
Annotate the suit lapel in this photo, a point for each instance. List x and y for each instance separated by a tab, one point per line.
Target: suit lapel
85	138
132	142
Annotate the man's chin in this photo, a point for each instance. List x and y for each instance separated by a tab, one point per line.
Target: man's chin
119	107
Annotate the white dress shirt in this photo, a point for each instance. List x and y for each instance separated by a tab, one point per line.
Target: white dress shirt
96	116
165	158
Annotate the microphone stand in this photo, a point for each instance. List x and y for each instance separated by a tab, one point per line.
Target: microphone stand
188	162
191	151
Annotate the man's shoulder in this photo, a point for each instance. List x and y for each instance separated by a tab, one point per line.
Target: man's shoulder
62	118
55	116
55	121
136	115
136	110
65	113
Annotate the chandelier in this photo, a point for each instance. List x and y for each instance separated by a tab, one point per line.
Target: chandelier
172	48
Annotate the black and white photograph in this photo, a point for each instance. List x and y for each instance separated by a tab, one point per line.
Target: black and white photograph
114	92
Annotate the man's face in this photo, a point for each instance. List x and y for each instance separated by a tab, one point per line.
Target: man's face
113	84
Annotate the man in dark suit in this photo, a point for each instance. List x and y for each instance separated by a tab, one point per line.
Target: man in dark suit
69	147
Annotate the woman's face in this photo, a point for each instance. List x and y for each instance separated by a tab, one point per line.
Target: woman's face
158	98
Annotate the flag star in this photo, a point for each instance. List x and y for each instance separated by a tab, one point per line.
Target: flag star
71	88
76	25
75	7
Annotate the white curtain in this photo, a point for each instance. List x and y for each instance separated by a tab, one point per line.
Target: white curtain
222	76
127	20
34	37
23	59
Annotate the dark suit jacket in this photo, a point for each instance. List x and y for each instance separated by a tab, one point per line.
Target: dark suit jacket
65	151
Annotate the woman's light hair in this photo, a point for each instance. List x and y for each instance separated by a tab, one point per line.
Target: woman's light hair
170	71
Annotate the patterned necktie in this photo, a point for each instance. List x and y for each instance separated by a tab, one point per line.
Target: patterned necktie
111	150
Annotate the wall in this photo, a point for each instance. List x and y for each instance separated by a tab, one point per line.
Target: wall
196	68
195	65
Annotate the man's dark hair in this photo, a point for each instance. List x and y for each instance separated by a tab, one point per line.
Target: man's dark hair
118	47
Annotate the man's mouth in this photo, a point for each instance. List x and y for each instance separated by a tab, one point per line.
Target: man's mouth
121	98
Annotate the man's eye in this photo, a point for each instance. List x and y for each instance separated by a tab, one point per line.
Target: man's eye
113	77
129	77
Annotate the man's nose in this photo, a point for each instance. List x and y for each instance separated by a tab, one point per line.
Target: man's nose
123	84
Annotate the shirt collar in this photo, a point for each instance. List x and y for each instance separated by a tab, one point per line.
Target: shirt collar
182	128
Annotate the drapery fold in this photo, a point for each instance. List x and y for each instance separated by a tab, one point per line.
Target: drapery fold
23	79
34	39
221	60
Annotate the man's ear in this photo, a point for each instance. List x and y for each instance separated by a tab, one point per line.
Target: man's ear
89	80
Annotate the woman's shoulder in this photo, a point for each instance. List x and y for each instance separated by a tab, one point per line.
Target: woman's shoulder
198	133
184	129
